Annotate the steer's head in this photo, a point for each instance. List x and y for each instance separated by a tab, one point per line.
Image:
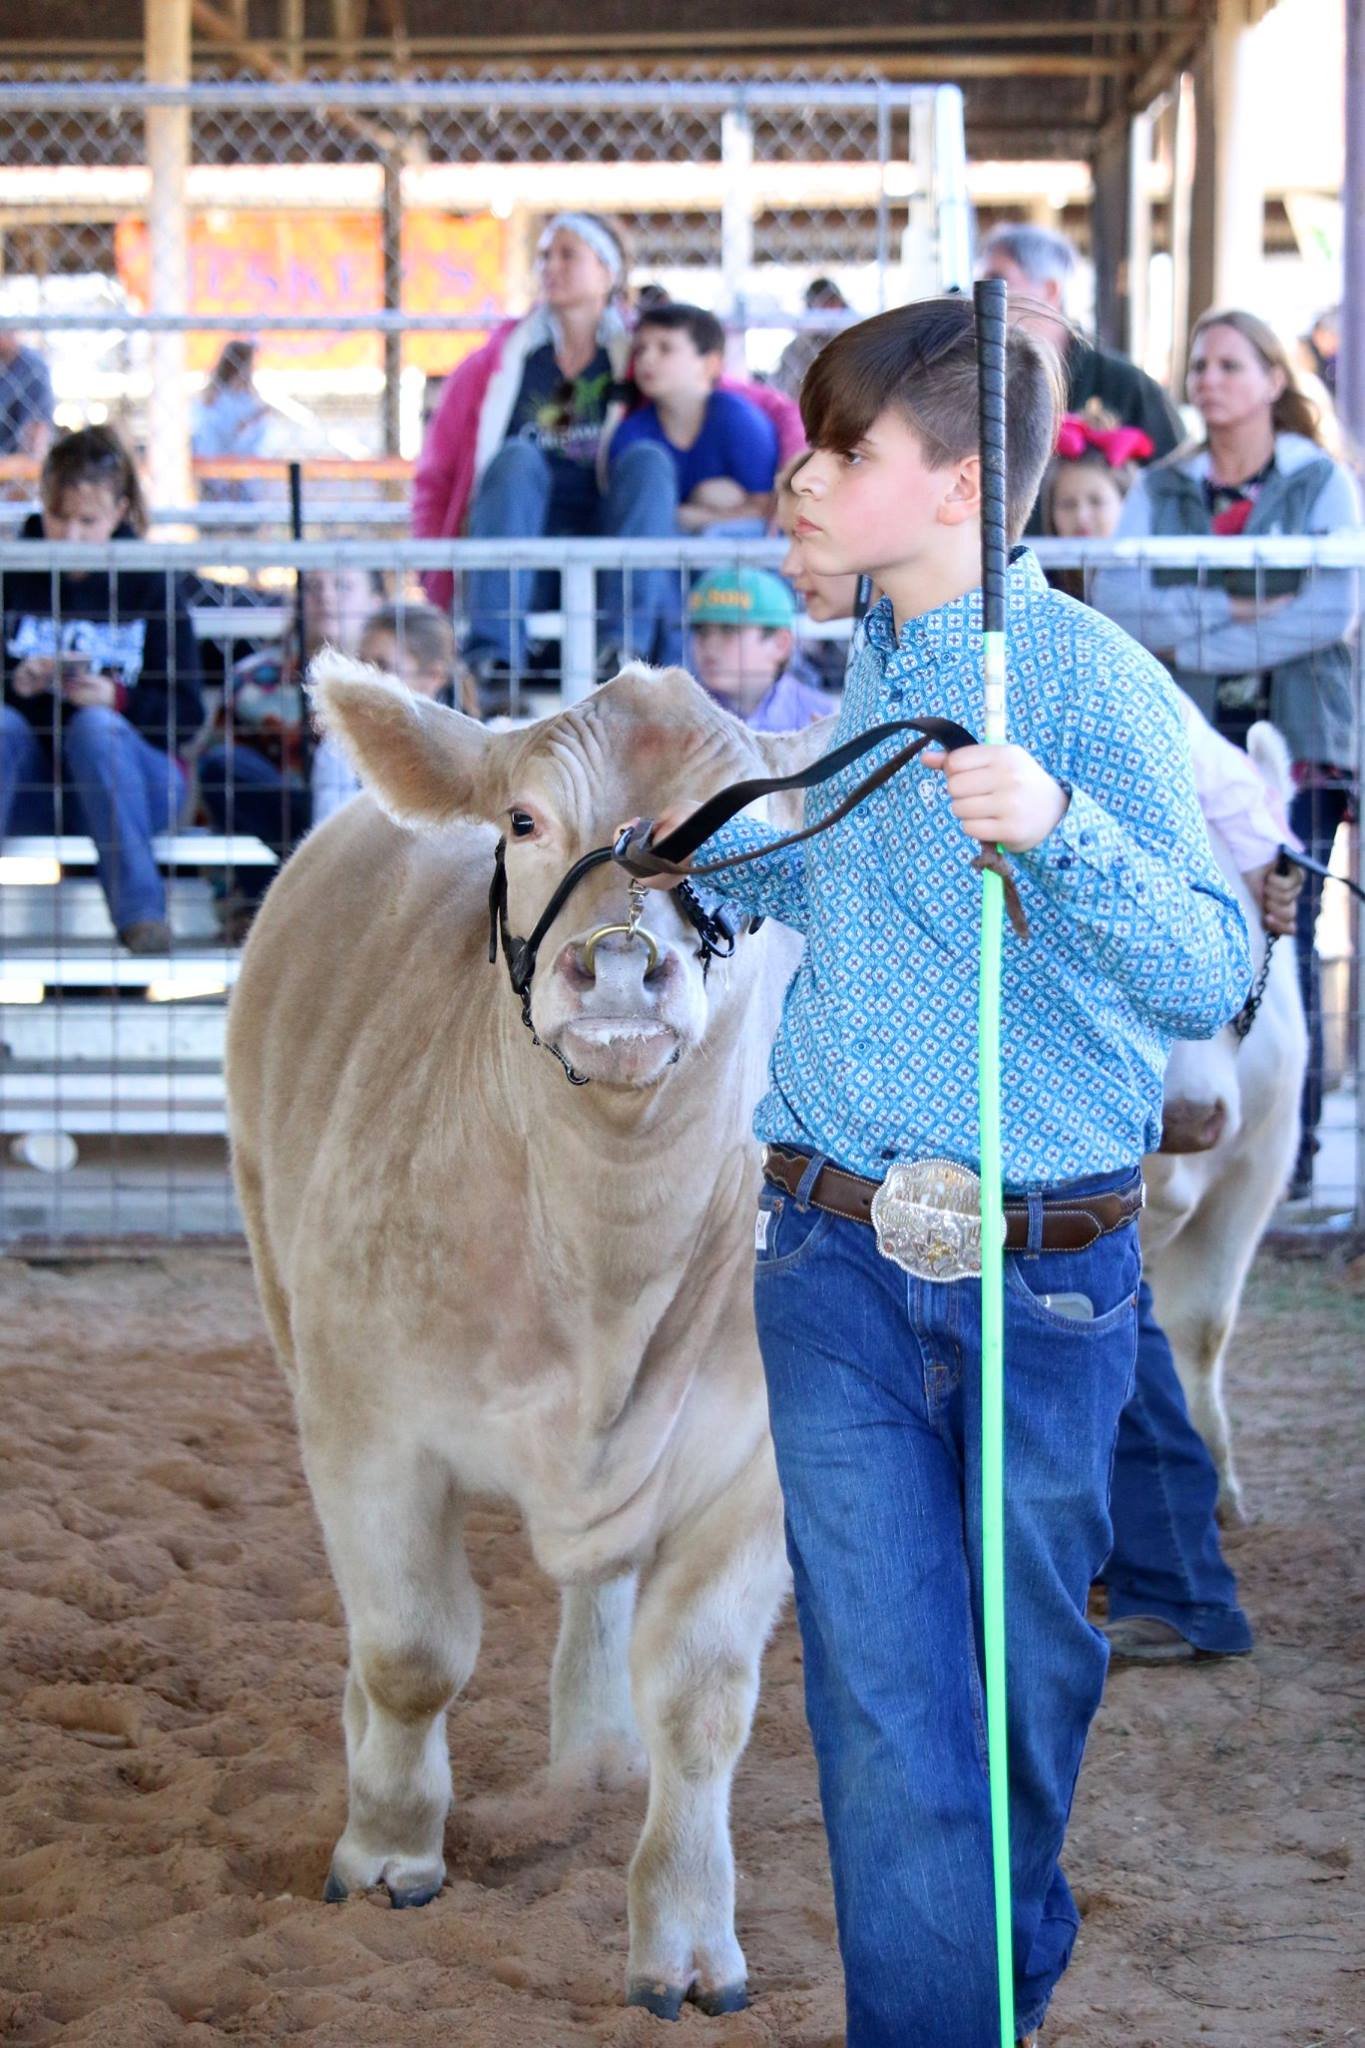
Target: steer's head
624	1009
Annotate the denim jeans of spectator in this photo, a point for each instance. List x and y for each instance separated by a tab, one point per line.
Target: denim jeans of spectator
874	1392
1167	1559
519	497
243	792
123	792
1315	815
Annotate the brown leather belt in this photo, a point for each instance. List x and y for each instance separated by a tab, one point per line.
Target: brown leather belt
1070	1223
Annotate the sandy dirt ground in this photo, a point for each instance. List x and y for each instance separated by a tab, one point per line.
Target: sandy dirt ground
171	1775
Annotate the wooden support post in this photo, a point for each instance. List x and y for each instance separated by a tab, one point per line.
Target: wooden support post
1351	359
1137	323
1109	216
166	41
393	299
1182	222
1229	207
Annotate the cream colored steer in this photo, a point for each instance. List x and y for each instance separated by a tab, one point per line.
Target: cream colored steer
482	1281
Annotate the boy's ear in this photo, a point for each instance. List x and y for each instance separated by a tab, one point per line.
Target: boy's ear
961	499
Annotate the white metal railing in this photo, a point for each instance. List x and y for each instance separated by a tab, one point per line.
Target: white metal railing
125	1050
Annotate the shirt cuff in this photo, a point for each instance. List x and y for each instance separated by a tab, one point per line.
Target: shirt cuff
1084	836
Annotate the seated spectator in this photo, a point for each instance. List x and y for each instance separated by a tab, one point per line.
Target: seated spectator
100	672
416	643
25	399
822	296
741	626
513	452
254	780
723	449
1086	483
821	662
1037	265
231	419
1250	643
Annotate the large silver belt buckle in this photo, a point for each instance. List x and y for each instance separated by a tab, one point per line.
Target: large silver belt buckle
927	1216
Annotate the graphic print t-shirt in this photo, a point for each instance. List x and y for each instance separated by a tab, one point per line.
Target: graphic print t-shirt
562	416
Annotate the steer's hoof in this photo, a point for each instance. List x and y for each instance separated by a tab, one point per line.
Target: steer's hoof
419	1895
665	2001
334	1891
729	1998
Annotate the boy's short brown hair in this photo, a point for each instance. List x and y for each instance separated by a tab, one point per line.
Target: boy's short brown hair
920	361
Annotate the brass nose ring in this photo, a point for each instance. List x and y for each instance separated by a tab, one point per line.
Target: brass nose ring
631	931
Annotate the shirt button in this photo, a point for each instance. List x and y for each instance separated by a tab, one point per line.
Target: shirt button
1086	838
1066	860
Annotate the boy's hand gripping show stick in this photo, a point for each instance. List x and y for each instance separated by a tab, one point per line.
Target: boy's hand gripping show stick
989	300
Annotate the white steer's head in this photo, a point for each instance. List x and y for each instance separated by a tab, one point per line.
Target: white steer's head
622	1010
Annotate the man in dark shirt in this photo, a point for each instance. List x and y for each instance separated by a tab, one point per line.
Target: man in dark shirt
1037	265
25	399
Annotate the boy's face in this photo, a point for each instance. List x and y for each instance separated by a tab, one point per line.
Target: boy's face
739	663
824	597
668	364
880	506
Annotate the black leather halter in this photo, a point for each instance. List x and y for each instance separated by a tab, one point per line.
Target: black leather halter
717	930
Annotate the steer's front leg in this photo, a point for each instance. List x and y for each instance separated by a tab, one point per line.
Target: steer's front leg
704	1615
392	1522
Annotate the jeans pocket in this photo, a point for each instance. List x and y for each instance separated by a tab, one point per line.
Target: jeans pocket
1082	1293
783	1232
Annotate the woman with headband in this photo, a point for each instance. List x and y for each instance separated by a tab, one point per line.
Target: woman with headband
513	452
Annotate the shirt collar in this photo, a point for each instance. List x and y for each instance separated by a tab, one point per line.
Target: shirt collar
952	631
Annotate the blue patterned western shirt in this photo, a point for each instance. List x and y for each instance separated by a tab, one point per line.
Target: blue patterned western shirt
1135	941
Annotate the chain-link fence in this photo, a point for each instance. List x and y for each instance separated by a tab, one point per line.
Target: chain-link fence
156	768
365	237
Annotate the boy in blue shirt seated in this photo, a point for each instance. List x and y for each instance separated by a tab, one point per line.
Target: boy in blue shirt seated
723	448
741	634
871	1337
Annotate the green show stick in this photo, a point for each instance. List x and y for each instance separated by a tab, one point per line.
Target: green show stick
989	301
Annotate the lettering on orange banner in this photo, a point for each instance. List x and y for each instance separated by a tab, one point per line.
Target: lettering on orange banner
248	264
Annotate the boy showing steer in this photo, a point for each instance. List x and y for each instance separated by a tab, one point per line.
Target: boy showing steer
871	1337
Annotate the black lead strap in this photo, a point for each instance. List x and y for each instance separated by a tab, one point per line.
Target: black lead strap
635	852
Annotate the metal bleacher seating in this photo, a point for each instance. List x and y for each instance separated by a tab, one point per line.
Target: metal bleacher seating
92	1039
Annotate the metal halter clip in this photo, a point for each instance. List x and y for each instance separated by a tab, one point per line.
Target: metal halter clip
632	929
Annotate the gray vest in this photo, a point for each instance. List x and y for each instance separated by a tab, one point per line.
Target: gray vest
1312	697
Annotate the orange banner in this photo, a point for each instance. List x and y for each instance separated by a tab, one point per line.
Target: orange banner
248	264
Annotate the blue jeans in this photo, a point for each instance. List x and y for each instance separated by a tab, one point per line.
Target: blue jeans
874	1393
1315	815
519	497
1167	1559
243	792
125	791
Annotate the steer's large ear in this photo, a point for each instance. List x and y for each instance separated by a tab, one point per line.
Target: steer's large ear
423	764
788	752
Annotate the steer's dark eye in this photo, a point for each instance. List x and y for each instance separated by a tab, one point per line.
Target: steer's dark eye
523	824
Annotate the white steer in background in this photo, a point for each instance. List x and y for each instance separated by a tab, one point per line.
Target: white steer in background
482	1281
1232	1119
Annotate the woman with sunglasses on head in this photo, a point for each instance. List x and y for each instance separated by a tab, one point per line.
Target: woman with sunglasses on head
513	452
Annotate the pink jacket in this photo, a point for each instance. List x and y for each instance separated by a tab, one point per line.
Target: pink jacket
470	425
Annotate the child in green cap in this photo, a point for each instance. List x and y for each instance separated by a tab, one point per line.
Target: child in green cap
741	635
